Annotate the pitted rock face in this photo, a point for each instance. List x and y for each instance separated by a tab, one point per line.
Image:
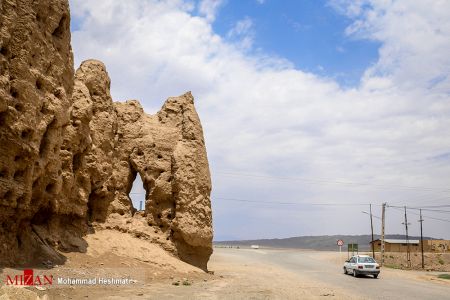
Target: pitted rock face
69	154
167	150
36	80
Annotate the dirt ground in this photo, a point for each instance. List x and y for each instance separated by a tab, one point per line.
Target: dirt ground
154	274
231	280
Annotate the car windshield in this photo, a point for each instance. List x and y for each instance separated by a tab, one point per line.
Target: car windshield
366	260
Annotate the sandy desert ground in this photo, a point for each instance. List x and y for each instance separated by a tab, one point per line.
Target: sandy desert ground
235	274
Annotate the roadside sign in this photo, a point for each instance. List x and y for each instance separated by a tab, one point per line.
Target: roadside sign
353	247
340	243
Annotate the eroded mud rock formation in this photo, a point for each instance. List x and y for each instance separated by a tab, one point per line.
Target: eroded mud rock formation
69	154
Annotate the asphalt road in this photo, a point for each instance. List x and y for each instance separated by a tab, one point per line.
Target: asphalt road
327	270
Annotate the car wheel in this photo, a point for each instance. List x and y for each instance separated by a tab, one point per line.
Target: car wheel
355	274
375	276
345	271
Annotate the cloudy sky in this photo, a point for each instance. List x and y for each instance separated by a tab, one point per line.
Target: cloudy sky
311	109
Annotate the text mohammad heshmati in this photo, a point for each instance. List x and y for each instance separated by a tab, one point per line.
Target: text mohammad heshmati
94	281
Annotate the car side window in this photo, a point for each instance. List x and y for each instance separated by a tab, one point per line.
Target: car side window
353	260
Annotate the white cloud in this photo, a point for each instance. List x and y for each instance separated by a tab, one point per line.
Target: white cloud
414	35
242	33
262	116
209	8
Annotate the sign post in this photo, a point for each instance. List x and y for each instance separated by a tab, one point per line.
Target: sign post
340	243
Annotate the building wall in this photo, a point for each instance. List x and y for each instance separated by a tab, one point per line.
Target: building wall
428	246
437	245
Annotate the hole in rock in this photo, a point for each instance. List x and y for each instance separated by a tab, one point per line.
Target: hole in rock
50	188
42	216
8	195
21	199
14	92
3	173
45	145
59	31
26	134
39	83
18	175
137	193
19	107
77	161
58	93
3	118
36	183
4	50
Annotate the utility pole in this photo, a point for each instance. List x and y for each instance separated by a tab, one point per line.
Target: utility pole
371	227
421	239
408	254
383	217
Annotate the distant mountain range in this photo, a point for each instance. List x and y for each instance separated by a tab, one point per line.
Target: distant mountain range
322	242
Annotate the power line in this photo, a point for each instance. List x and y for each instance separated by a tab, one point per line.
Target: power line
433	210
432	206
428	217
327	181
292	203
421	208
425	199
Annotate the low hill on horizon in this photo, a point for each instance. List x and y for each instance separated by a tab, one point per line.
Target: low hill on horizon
322	242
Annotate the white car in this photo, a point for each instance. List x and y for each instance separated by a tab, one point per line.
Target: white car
362	265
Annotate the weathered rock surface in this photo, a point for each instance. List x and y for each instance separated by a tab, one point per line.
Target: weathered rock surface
36	81
69	154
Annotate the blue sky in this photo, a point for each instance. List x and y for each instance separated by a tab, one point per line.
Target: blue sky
307	102
309	33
